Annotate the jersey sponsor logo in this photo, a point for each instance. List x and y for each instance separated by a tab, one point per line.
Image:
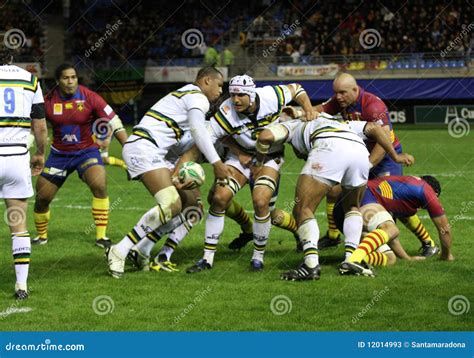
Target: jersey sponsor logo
70	134
68	106
58	109
80	105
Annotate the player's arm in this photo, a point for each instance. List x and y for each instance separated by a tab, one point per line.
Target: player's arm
299	95
117	130
375	131
378	152
377	112
444	230
39	130
203	141
191	155
400	252
273	135
330	106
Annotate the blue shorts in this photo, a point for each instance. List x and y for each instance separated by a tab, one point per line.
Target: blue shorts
368	198
387	166
59	165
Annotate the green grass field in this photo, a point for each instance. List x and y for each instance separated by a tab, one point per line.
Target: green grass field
69	273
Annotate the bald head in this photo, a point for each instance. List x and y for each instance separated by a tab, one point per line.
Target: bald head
346	89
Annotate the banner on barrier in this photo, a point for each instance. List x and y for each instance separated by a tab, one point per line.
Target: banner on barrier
320	70
157	74
443	114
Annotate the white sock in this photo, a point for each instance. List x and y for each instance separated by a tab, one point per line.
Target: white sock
174	239
261	231
214	229
352	229
21	250
147	223
145	245
309	236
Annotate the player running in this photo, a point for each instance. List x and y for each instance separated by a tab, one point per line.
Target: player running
76	114
163	126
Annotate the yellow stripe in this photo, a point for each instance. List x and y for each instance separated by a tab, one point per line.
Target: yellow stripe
169	122
22	260
16	124
223	123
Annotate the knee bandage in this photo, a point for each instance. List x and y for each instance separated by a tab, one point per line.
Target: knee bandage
165	198
233	185
266	181
378	219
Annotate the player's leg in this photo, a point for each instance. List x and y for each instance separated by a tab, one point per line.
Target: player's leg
264	186
309	193
21	245
145	162
237	213
53	176
96	179
414	224
113	161
333	235
221	200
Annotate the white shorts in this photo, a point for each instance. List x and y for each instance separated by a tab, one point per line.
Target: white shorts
335	161
233	161
15	177
142	156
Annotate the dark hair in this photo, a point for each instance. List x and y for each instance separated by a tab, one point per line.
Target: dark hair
210	70
59	70
6	55
433	182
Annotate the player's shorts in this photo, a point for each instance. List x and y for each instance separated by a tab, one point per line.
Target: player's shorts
387	166
233	161
368	198
60	165
15	174
333	161
142	156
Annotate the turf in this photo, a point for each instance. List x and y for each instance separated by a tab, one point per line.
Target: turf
69	274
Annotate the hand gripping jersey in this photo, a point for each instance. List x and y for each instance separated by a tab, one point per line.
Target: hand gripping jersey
19	91
245	128
73	118
167	121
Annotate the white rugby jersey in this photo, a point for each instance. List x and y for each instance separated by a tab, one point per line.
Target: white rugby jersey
19	91
304	135
167	120
228	122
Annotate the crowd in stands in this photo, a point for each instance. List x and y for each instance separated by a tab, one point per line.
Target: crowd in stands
306	28
23	31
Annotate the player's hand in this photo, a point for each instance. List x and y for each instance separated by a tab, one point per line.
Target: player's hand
405	159
310	115
416	258
183	185
446	256
221	173
103	144
37	164
245	159
290	111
